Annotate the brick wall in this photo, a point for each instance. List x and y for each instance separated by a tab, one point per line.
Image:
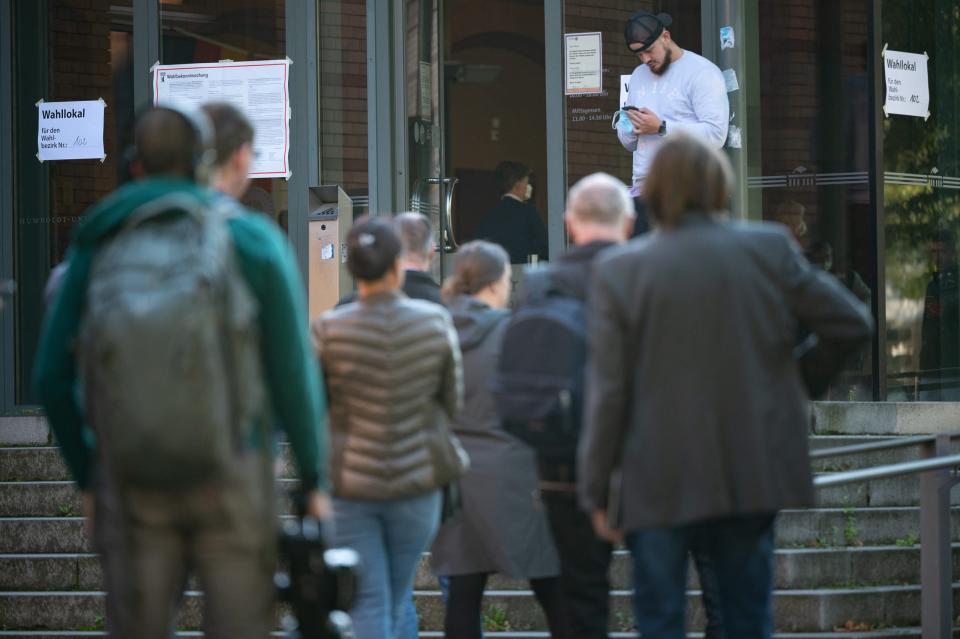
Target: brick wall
343	94
792	109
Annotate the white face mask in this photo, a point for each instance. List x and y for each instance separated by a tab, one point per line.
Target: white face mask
529	192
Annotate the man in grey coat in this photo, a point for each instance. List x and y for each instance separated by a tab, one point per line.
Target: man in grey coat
694	394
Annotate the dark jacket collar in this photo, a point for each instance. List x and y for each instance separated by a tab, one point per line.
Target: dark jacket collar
585	252
418	276
384	297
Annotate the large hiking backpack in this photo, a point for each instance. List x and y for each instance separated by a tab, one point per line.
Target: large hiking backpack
168	347
538	386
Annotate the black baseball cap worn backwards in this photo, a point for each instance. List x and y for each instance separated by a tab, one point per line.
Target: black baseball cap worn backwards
644	28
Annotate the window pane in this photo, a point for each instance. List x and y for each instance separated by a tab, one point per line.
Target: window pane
810	170
922	210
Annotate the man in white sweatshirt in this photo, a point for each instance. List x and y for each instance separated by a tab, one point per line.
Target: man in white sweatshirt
671	90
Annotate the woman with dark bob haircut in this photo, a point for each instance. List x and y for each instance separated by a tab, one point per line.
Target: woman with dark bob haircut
393	375
502	527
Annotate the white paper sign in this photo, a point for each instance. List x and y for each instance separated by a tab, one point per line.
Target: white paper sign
259	89
583	63
908	88
624	89
70	130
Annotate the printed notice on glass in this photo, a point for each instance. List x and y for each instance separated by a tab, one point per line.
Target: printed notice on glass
583	63
70	130
259	89
908	87
624	89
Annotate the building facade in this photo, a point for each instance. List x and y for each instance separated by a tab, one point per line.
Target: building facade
412	103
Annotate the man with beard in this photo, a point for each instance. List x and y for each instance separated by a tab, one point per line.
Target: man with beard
672	90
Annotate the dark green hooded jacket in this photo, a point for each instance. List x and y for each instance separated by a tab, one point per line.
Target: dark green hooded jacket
292	377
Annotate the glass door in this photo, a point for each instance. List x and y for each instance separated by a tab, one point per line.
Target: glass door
494	99
808	143
430	190
921	207
474	91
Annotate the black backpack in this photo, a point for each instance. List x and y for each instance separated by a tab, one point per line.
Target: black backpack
538	386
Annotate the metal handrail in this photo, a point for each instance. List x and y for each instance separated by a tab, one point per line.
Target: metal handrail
884	472
886	444
936	561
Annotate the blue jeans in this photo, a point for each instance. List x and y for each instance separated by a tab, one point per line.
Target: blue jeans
389	536
740	549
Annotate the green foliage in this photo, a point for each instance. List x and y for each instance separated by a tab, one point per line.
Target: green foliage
909	540
495	619
851	533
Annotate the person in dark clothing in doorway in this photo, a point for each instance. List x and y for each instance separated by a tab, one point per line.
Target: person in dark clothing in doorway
513	223
416	236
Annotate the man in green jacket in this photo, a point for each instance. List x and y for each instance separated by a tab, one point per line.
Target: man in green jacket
150	539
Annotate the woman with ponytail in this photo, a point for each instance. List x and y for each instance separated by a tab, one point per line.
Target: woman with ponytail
502	526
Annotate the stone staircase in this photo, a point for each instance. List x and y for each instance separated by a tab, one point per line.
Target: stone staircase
849	568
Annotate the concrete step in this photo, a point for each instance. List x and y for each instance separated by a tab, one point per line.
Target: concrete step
796	568
885	418
885	633
50	571
879	493
861	460
44	463
829	418
42	535
60	498
832	527
794	611
825	527
808	611
32	463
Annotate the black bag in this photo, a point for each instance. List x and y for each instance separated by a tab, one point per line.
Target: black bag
452	502
538	386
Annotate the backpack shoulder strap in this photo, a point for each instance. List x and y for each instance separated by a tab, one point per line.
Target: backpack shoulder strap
540	284
536	284
178	201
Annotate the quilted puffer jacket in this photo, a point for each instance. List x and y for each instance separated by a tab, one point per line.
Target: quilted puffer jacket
394	381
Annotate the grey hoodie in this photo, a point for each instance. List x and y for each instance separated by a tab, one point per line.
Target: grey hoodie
502	527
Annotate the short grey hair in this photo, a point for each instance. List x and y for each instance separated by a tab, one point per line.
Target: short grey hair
416	233
600	199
